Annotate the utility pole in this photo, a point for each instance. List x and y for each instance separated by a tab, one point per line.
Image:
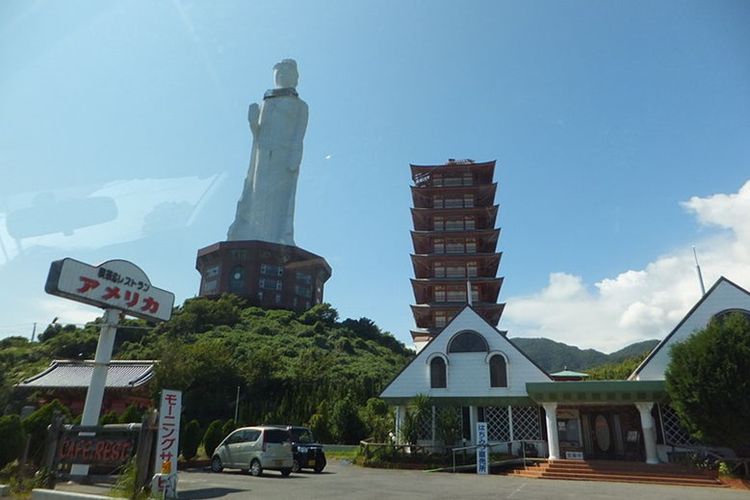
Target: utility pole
33	332
237	405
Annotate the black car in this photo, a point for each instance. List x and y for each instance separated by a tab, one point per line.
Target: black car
307	453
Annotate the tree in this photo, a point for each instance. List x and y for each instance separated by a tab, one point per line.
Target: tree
12	437
213	437
346	426
616	371
378	418
709	384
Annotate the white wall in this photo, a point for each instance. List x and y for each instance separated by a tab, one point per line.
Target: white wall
723	296
468	373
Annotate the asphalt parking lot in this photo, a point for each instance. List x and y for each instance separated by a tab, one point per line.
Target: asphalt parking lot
341	480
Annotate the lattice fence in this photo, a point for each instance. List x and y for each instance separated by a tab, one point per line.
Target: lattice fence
526	422
425	425
674	433
498	423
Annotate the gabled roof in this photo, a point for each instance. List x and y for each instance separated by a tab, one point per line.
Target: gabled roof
73	374
692	311
425	351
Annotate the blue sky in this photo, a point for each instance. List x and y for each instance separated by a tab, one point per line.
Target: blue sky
621	131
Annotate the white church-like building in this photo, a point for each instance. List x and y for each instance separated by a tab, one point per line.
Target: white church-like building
473	369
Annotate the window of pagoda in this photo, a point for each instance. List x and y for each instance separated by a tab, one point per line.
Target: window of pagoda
438	269
441	318
438	246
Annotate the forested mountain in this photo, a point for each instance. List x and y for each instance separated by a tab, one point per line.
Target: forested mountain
556	356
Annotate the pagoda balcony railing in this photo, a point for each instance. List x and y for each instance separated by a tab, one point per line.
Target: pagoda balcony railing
457	229
450	255
479	278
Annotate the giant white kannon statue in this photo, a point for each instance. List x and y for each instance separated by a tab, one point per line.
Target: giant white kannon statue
266	209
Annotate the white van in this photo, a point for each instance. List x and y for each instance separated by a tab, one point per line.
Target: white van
255	449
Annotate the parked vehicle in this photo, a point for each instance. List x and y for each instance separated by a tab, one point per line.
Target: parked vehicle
307	453
255	449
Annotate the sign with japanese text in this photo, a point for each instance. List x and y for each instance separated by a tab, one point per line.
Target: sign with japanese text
165	465
115	284
483	459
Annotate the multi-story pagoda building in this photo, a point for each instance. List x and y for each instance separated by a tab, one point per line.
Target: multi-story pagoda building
454	240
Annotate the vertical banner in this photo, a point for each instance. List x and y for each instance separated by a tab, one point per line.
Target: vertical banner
165	465
483	462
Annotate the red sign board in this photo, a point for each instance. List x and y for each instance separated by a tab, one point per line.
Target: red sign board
95	450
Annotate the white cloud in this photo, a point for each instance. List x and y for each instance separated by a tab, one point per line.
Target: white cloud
639	304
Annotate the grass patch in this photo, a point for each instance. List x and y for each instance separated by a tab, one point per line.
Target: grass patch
342	454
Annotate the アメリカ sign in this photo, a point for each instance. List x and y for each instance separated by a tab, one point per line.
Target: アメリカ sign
115	284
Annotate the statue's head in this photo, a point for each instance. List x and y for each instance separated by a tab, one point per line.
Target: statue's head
285	73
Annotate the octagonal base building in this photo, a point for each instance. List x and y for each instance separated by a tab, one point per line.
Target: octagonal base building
455	241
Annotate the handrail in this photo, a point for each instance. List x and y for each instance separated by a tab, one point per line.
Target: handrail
502	443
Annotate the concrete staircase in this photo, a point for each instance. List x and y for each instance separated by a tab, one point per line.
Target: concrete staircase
618	471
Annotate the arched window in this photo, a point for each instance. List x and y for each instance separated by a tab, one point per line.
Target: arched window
498	371
468	341
721	316
437	373
237	279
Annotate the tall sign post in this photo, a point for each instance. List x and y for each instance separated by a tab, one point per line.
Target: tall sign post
483	463
167	444
120	288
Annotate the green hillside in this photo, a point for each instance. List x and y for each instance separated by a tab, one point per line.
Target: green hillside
288	366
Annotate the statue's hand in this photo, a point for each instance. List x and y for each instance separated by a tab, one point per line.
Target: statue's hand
253	115
295	158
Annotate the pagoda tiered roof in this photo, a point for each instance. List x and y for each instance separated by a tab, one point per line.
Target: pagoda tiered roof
455	242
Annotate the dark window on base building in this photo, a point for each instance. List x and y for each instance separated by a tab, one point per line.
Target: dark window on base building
237	279
498	371
437	373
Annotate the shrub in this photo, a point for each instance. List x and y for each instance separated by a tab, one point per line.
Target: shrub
110	417
12	439
228	427
36	426
132	414
191	439
213	437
